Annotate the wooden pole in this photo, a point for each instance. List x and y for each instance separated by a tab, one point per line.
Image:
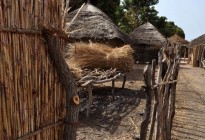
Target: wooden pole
72	110
172	100
145	123
90	100
124	80
113	89
152	126
159	108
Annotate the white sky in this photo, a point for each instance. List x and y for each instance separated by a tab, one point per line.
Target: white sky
187	14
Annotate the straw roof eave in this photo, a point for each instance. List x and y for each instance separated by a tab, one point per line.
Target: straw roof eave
198	41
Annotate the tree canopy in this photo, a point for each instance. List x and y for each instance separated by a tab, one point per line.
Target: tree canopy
128	14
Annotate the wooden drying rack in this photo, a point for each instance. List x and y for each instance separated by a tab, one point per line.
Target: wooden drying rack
97	76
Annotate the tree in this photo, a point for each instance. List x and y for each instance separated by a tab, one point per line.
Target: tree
138	12
133	13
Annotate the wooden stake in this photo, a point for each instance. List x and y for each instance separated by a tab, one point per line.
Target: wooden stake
69	84
90	100
145	123
152	126
124	80
113	89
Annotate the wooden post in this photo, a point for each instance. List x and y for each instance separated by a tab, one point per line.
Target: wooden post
90	100
156	100
145	123
113	89
172	99
165	111
159	108
72	110
124	80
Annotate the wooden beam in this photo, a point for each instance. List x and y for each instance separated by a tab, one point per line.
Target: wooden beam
124	80
145	123
113	89
72	110
20	31
156	102
55	32
40	130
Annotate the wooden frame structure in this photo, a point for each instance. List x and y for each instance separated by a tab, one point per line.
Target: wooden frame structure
92	78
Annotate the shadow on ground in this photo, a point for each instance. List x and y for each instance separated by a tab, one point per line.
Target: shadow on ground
107	113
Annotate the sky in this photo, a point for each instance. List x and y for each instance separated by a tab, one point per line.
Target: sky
187	14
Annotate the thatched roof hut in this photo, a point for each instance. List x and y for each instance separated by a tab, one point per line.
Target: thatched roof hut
93	24
198	51
147	34
177	40
147	41
182	43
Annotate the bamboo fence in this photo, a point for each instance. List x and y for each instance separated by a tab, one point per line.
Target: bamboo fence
159	115
198	55
32	96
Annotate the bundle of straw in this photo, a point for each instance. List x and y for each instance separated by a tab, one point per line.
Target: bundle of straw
96	55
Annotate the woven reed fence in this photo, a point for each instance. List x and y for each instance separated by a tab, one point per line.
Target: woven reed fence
161	89
33	88
198	56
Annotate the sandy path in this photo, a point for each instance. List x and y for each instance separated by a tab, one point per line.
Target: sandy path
189	121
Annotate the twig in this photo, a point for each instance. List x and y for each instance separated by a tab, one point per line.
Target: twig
66	28
102	81
163	83
97	77
133	124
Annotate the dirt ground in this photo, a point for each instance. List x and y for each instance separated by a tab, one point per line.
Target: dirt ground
112	119
189	122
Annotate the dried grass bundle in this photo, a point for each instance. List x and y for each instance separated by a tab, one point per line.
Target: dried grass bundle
96	55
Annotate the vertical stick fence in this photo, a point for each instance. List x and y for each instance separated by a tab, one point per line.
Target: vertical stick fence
161	88
37	93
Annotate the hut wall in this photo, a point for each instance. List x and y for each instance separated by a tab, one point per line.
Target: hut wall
32	100
197	55
145	54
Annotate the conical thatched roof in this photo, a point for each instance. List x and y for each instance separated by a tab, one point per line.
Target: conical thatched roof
175	39
147	34
92	23
198	41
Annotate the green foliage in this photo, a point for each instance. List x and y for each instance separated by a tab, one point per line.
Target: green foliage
135	13
170	29
138	12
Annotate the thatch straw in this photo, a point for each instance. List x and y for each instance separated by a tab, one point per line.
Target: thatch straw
92	23
198	41
95	55
176	39
147	34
